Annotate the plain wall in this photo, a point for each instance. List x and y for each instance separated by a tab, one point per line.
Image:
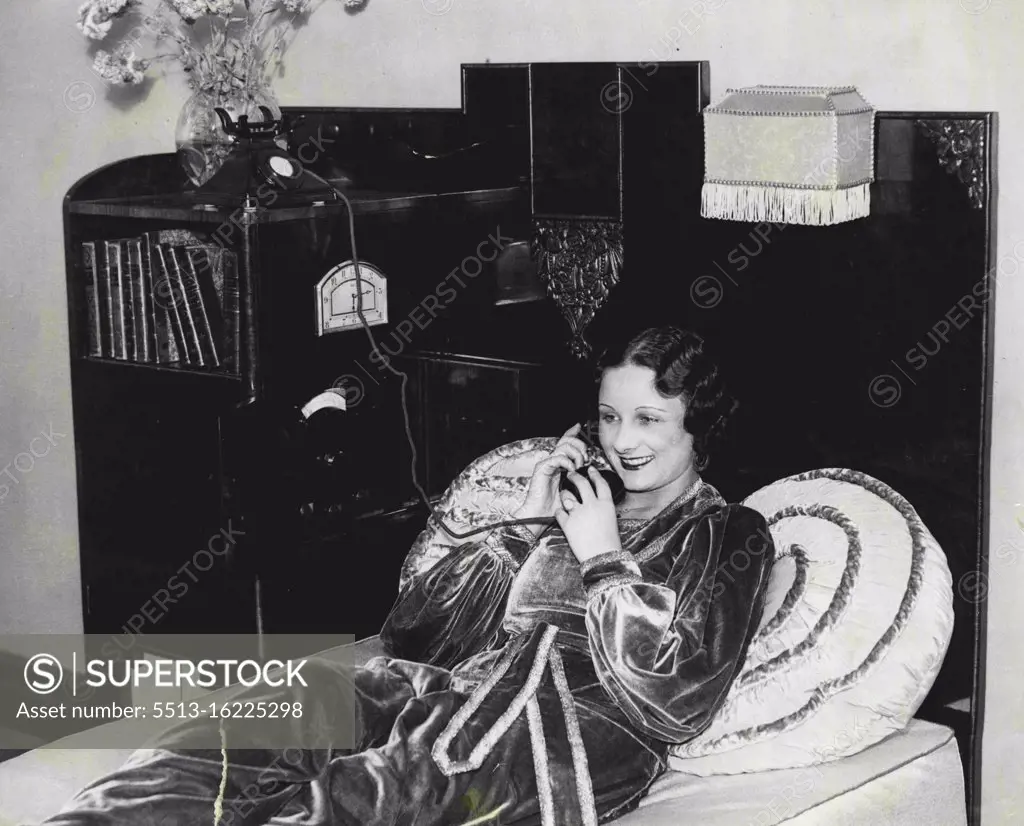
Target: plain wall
902	54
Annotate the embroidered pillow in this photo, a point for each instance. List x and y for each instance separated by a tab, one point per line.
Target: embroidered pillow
489	490
857	620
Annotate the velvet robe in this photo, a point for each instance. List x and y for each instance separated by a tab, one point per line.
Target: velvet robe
522	688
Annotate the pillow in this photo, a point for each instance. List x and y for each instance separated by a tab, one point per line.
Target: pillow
489	490
858	617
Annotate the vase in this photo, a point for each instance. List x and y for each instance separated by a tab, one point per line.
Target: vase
202	143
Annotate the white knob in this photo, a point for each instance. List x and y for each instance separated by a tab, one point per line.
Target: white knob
329	398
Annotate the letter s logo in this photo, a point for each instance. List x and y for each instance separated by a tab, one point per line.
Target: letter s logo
43	673
706	292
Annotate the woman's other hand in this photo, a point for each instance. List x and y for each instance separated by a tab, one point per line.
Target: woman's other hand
569	454
589	524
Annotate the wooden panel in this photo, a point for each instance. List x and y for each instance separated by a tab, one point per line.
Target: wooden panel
148	446
468	408
663	169
575	112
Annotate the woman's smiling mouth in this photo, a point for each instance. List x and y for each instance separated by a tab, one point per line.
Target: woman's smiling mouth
635	463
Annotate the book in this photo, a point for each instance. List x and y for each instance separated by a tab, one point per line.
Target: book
163	297
105	298
142	300
127	278
93	297
223	270
176	263
167	299
165	348
212	262
115	292
203	301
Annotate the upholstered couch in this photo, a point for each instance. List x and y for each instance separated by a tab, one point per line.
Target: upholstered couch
818	727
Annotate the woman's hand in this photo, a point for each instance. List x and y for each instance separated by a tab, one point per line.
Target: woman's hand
542	497
589	525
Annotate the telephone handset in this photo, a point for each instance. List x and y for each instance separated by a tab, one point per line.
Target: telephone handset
598	459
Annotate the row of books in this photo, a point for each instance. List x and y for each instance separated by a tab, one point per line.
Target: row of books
163	299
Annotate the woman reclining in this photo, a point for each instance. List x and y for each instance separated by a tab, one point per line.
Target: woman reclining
538	675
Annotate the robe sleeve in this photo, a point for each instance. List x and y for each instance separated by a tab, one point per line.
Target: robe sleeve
456	608
667	653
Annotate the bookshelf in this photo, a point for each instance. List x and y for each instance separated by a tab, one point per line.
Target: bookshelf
156	330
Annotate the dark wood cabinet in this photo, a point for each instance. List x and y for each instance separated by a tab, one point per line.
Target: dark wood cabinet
172	456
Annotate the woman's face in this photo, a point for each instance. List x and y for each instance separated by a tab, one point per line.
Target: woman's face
641	431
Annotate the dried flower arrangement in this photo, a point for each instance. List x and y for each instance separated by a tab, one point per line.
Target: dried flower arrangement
229	49
222	45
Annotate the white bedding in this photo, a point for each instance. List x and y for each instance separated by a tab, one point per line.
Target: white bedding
912	777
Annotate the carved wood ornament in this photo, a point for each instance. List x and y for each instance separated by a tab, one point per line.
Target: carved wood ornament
961	150
580	260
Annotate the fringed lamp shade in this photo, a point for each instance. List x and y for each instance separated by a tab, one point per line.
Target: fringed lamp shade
789	154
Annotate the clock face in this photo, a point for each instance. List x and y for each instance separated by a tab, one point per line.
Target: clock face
337	298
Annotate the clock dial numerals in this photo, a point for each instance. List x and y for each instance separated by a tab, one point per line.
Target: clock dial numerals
348	291
337	298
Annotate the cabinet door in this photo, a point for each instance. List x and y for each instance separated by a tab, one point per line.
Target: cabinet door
148	455
577	150
469	408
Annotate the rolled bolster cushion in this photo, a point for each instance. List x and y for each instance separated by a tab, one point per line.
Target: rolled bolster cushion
606	571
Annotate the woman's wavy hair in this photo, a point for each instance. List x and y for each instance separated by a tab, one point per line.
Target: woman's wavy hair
682	368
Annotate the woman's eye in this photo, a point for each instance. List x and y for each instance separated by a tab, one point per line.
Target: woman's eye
648	419
607	417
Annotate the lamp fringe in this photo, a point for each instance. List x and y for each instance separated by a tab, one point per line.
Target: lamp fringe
785	205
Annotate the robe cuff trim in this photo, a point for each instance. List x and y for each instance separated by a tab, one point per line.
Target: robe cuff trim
521	533
612	557
607	571
510	546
